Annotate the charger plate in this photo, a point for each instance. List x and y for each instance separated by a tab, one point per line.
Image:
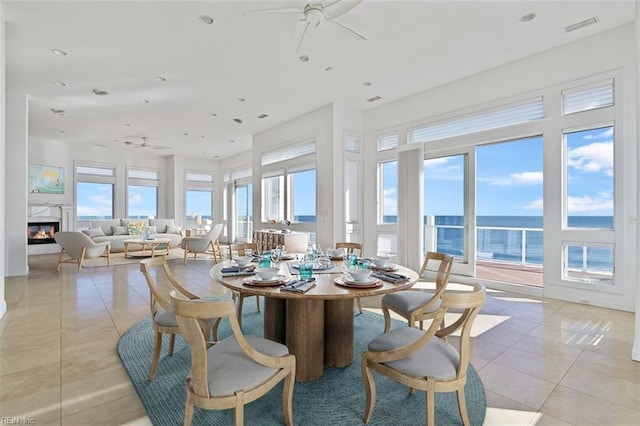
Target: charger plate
344	282
388	268
257	282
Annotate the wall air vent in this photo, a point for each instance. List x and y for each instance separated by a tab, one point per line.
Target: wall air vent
581	24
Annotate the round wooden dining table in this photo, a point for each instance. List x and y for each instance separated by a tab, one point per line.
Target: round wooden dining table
316	326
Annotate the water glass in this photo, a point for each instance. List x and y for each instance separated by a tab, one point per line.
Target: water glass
306	270
265	260
352	260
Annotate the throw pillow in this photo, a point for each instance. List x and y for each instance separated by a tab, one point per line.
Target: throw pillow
152	229
173	229
136	228
94	232
119	230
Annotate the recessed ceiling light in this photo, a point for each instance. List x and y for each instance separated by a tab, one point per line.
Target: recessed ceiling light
328	69
59	52
59	112
238	120
186	134
232	141
374	98
128	125
144	101
60	83
367	83
159	78
261	116
202	136
101	145
241	99
206	19
304	58
528	17
216	156
581	24
60	131
100	92
213	115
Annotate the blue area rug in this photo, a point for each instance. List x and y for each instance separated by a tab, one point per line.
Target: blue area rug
337	398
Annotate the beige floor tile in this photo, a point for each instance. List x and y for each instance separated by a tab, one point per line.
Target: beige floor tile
546	347
543	419
602	385
96	390
612	348
626	369
515	385
565	336
582	409
27	381
551	369
116	412
43	406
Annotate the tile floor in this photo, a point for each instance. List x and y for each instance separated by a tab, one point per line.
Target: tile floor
543	362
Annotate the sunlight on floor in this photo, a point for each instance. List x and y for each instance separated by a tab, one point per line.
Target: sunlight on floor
503	416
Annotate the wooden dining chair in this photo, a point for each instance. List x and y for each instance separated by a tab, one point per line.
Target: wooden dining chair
234	371
239	249
350	248
425	360
415	305
161	281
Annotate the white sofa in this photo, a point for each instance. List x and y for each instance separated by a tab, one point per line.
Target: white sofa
117	230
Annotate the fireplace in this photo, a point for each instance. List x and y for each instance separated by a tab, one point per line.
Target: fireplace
42	232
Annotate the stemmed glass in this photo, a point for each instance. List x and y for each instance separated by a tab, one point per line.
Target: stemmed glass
276	254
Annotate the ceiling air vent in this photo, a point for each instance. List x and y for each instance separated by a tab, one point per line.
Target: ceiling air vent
581	24
373	99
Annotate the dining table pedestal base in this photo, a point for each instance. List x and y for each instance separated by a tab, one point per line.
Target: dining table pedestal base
318	332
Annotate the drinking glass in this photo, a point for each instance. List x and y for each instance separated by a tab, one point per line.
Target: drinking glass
352	260
306	270
265	260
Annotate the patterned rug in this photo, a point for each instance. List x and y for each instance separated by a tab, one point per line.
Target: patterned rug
337	398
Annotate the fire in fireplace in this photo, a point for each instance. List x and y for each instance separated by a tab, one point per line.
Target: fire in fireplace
42	232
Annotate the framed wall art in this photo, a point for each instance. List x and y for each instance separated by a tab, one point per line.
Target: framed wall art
46	179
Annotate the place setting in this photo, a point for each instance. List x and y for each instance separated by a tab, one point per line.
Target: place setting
358	278
266	277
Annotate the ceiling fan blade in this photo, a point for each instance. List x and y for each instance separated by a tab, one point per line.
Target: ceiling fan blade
339	7
339	29
301	29
273	11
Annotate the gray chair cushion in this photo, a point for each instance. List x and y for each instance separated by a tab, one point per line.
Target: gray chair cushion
409	301
437	358
165	318
230	369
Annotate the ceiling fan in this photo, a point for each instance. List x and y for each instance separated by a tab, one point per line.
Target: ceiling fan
317	15
145	144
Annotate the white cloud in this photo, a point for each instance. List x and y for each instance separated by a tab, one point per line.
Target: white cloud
602	135
604	201
592	158
135	199
522	178
436	162
98	205
534	205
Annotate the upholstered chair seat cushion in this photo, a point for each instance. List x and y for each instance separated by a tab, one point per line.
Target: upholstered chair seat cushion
409	301
436	359
230	369
165	319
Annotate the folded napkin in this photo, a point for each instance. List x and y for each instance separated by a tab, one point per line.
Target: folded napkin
299	286
236	271
390	277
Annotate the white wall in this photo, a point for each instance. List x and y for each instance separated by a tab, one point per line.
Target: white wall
613	50
3	302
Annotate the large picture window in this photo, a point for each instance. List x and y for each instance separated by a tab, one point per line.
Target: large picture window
142	193
94	192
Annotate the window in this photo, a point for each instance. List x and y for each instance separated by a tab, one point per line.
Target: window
387	141
273	198
588	97
388	193
199	198
590	263
303	196
244	212
94	192
289	184
589	173
142	193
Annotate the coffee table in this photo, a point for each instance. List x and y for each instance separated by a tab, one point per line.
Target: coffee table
152	245
316	326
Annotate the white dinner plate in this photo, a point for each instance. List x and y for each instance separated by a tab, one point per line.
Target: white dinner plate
275	279
351	281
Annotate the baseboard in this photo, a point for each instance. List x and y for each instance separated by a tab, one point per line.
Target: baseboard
3	308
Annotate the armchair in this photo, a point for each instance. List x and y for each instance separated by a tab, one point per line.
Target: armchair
78	247
205	244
